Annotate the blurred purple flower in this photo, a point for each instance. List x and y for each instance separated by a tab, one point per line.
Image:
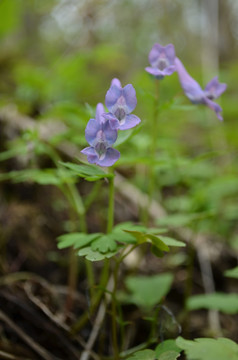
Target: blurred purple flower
194	91
100	136
120	103
161	59
214	89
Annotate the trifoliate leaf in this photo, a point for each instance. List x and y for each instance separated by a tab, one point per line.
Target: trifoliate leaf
209	349
227	303
143	355
147	291
104	244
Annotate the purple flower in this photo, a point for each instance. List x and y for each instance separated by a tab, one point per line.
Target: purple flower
195	93
100	136
214	89
161	59
120	103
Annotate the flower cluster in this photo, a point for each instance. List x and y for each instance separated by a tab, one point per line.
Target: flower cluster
101	132
164	62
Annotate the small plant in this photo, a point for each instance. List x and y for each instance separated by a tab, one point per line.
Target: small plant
115	136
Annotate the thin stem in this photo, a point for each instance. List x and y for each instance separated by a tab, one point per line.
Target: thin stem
110	219
189	283
110	223
96	299
76	202
72	280
114	312
154	136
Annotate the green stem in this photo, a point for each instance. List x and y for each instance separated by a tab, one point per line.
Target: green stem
114	312
110	223
78	325
106	267
110	219
153	149
188	284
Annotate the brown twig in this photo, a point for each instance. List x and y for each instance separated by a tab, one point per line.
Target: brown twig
43	353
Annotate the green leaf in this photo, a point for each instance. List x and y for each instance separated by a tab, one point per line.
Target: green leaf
171	242
92	255
119	234
138	235
77	240
42	177
143	292
13	152
142	237
156	251
143	355
104	244
123	136
122	237
156	241
227	303
169	355
209	349
167	350
232	273
88	172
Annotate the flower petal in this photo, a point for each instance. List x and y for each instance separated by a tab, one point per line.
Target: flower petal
111	156
109	132
113	121
190	86
92	128
214	89
99	111
155	72
91	154
112	95
170	53
215	107
129	94
130	122
155	53
116	82
169	70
